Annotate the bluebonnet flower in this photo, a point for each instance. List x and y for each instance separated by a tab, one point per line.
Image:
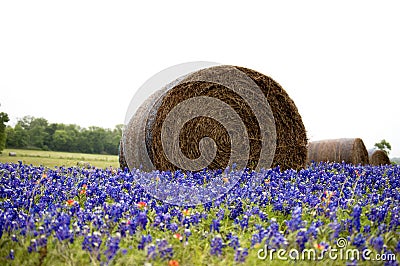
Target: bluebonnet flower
296	222
263	216
146	239
244	223
33	247
141	219
390	258
312	230
255	239
216	246
187	233
220	214
367	229
359	241
151	251
356	217
14	238
164	249
214	226
92	242
241	255
11	255
112	247
234	242
41	241
173	227
336	229
301	239
64	233
377	243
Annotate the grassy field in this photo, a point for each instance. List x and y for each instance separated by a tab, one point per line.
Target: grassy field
52	158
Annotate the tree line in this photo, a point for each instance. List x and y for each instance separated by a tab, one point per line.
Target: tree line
38	133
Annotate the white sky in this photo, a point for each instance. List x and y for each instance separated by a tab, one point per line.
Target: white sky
82	61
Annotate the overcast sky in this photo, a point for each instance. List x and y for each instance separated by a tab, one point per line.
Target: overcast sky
82	61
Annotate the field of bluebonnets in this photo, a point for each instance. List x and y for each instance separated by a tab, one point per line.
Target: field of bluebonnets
338	213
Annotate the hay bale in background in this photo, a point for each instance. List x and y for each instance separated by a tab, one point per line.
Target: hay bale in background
291	139
378	157
349	150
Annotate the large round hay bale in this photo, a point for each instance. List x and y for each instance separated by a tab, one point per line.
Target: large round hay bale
349	150
378	157
274	132
121	156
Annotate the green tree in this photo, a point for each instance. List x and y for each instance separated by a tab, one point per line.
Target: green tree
384	146
48	140
37	133
10	137
61	140
17	137
3	120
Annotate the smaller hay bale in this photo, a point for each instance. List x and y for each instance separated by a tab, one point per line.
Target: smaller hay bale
349	150
12	154
83	164
378	157
121	157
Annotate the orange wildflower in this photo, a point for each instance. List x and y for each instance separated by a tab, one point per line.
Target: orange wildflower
178	236
173	263
141	204
70	202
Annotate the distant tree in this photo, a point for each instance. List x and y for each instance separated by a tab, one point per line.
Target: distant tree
62	140
17	137
384	146
48	140
3	120
37	133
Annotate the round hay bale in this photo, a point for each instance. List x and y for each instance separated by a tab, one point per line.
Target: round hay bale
213	117
121	157
378	157
349	150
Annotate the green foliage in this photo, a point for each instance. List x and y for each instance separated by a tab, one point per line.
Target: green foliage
384	146
3	120
37	133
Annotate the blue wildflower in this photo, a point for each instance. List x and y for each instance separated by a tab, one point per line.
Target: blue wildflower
11	255
214	226
216	246
377	243
356	217
296	222
241	254
112	247
165	250
234	242
141	219
146	239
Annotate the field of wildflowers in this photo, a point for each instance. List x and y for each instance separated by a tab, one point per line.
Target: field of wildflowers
81	216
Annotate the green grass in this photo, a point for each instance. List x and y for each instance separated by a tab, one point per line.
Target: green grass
53	158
